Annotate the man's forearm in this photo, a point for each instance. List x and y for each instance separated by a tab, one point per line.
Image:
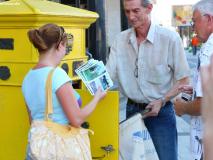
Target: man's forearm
175	91
193	108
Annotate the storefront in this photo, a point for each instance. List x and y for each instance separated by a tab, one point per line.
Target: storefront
181	19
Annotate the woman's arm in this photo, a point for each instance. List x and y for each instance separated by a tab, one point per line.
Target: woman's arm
74	113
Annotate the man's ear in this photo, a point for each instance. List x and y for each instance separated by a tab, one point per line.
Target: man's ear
149	8
210	21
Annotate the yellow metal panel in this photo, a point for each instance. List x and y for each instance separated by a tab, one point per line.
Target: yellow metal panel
38	12
43	7
22	46
17	72
14	124
104	122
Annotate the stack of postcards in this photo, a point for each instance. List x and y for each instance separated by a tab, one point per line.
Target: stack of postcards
93	73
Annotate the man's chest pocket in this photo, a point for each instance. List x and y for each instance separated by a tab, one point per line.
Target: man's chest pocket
158	74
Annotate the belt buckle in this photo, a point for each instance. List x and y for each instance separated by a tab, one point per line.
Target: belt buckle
142	105
143	108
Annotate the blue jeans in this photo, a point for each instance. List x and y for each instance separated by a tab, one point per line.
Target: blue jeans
194	50
163	131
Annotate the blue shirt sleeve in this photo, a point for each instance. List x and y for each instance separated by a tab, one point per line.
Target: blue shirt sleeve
60	77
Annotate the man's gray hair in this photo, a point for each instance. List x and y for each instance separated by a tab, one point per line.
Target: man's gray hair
144	3
204	6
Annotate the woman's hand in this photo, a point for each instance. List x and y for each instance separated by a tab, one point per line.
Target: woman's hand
99	94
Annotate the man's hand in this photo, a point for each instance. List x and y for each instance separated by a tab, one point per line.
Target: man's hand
154	107
179	106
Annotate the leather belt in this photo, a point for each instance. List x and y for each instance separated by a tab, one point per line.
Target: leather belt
141	106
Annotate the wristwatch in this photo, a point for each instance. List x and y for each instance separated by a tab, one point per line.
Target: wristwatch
163	99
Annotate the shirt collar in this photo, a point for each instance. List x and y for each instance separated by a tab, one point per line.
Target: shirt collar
150	35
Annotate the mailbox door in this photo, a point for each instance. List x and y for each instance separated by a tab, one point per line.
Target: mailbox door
105	124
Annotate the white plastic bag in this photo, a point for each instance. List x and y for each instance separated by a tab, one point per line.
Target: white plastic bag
135	142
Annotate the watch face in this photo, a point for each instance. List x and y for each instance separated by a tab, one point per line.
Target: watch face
163	101
146	111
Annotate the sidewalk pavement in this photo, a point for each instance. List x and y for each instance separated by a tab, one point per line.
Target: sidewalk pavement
183	139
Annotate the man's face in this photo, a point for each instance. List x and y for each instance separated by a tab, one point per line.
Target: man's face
137	14
200	25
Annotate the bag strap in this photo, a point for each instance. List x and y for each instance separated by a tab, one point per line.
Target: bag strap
49	103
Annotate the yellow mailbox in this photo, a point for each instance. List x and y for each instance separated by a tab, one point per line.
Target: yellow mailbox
17	56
